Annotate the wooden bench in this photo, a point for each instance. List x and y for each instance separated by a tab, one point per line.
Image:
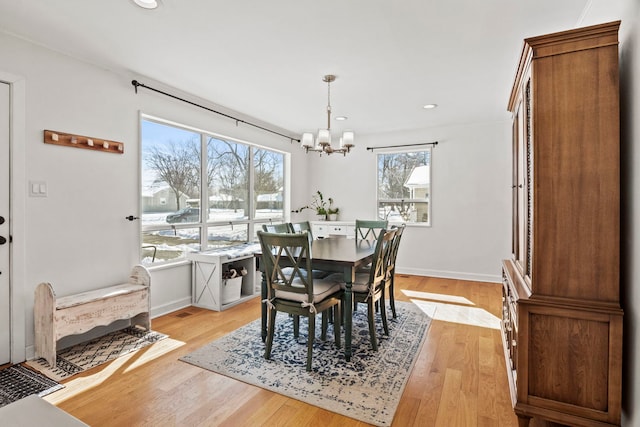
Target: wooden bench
55	318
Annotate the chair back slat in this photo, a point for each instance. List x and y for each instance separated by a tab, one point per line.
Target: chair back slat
299	227
378	271
369	229
276	228
394	247
286	257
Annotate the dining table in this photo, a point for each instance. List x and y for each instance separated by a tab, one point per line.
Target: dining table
338	255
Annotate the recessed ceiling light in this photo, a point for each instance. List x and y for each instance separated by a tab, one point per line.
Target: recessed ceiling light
146	4
341	118
430	106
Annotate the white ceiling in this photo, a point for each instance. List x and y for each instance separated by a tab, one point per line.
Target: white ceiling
266	59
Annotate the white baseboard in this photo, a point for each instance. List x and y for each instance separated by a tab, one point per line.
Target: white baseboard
170	307
475	277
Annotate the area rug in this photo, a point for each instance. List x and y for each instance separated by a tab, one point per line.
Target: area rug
83	356
17	382
368	388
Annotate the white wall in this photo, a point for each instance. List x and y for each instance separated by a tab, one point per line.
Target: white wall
471	198
77	237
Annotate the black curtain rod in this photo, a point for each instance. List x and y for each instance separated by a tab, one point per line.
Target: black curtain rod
403	145
136	84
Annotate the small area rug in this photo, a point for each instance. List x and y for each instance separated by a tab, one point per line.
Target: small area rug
368	388
17	382
86	355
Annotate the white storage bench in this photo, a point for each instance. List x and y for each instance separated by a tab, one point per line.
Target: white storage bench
55	318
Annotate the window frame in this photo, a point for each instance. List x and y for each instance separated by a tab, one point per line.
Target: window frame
203	224
427	200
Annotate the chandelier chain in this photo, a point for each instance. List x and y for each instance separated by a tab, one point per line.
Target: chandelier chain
328	104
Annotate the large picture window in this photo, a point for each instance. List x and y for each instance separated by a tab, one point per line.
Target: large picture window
201	191
404	186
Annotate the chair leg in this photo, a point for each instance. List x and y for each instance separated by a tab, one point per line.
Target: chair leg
325	324
383	314
336	323
312	335
372	325
296	326
392	298
270	332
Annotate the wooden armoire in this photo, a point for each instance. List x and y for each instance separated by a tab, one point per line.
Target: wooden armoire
561	320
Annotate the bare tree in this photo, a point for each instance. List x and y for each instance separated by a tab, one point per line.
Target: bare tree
394	169
228	169
176	165
268	175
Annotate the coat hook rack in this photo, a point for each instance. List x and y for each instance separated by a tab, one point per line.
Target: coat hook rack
80	141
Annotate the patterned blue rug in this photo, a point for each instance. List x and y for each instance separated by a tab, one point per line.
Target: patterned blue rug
368	388
17	382
86	355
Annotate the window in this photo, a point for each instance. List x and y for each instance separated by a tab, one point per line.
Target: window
202	191
404	187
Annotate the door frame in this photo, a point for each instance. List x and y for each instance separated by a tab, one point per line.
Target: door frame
17	204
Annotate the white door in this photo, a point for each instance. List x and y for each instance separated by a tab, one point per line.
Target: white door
5	325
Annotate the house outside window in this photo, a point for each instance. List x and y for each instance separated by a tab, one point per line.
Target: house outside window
404	186
202	191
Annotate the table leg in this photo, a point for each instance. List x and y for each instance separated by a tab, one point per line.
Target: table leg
348	313
263	305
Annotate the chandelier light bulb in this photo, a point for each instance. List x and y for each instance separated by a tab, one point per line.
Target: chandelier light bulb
146	4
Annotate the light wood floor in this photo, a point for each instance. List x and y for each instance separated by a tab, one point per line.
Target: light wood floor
459	378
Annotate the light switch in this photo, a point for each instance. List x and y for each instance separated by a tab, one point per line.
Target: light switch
37	189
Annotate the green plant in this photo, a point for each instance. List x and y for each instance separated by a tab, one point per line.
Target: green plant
318	203
331	210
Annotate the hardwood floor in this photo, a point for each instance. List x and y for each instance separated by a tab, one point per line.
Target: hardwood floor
459	378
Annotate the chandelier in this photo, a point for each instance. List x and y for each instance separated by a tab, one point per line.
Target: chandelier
323	140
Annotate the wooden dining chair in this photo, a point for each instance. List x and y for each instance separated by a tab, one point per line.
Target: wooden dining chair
276	228
292	291
299	227
391	267
369	287
369	229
